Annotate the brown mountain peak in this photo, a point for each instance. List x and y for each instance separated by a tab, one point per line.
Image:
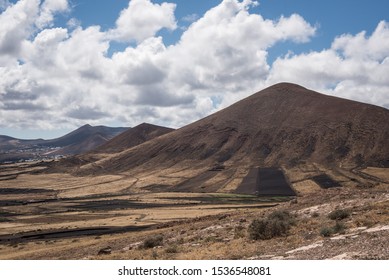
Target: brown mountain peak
132	137
285	124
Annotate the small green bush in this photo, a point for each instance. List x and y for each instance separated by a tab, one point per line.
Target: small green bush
339	227
152	242
339	214
276	224
326	232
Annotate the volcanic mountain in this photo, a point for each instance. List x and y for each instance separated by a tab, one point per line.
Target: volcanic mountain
84	139
132	137
83	133
285	124
78	141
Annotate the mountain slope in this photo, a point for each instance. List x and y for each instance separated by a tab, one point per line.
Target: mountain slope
282	124
7	143
85	144
84	132
84	139
78	141
132	137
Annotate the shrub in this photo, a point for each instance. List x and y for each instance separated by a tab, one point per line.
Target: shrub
276	224
267	229
326	232
172	249
339	227
339	214
152	242
283	216
258	229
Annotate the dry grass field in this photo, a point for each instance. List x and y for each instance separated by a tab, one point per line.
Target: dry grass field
142	216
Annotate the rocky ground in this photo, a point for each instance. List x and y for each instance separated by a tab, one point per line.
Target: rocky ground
363	234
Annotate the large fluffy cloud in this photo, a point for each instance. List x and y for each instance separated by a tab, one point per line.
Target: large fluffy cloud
48	9
58	77
16	24
223	55
142	19
355	67
23	19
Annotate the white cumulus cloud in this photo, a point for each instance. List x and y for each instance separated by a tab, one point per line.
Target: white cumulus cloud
16	25
143	19
223	55
48	9
355	67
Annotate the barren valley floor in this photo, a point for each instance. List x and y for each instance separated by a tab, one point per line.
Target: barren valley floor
60	216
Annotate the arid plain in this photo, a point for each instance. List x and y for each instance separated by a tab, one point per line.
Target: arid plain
59	216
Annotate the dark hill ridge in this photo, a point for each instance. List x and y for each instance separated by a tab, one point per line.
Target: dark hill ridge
132	137
84	144
83	133
84	139
78	141
282	124
7	143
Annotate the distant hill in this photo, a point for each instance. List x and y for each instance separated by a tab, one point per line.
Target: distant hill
84	139
83	133
7	143
78	141
132	137
283	124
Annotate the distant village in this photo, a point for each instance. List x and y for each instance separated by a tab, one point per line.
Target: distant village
29	154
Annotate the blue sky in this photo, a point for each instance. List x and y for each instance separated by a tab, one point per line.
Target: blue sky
119	63
332	17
